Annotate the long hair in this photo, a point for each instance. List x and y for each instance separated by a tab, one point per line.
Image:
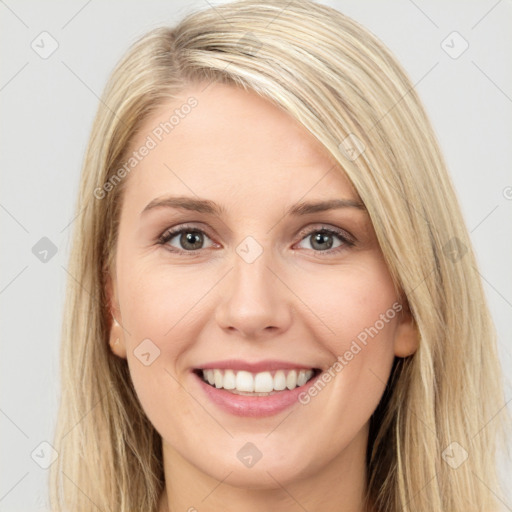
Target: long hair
432	438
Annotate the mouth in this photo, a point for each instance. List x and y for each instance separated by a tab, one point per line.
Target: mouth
263	383
254	388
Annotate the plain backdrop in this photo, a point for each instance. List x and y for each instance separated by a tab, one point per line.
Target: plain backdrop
47	106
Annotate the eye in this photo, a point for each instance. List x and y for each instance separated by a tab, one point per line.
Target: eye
327	240
185	239
191	239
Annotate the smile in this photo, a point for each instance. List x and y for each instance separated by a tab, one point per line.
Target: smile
254	390
256	384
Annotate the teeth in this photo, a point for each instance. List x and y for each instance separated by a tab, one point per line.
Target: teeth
279	380
229	380
291	379
263	382
244	381
218	378
209	376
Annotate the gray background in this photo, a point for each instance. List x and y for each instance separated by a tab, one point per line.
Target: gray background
47	107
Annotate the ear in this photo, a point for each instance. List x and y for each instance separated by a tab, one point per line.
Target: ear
117	340
407	337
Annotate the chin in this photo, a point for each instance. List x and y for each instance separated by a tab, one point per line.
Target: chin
268	472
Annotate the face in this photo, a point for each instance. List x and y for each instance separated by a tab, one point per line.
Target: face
224	272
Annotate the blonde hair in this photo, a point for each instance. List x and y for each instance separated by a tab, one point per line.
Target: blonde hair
348	91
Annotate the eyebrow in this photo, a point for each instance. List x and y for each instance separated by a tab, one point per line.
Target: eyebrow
210	207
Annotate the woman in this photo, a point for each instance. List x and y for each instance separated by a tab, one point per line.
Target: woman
276	305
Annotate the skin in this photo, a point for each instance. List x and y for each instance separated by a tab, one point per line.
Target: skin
295	302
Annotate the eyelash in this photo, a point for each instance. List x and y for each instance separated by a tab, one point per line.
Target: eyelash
347	241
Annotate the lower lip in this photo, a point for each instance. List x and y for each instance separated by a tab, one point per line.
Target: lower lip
253	406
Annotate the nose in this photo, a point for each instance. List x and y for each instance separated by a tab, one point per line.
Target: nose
254	303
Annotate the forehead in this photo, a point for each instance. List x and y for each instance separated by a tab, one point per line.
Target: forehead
231	144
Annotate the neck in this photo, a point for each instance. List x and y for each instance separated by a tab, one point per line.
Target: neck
338	486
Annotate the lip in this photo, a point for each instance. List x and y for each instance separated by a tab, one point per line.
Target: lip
253	367
252	406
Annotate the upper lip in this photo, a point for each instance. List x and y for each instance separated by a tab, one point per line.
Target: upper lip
254	366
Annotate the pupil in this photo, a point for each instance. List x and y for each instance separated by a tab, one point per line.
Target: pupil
320	238
192	240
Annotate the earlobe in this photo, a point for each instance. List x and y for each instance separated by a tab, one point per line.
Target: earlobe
117	341
407	337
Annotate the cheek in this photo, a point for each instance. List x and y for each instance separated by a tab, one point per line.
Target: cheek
356	304
359	307
161	315
158	304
